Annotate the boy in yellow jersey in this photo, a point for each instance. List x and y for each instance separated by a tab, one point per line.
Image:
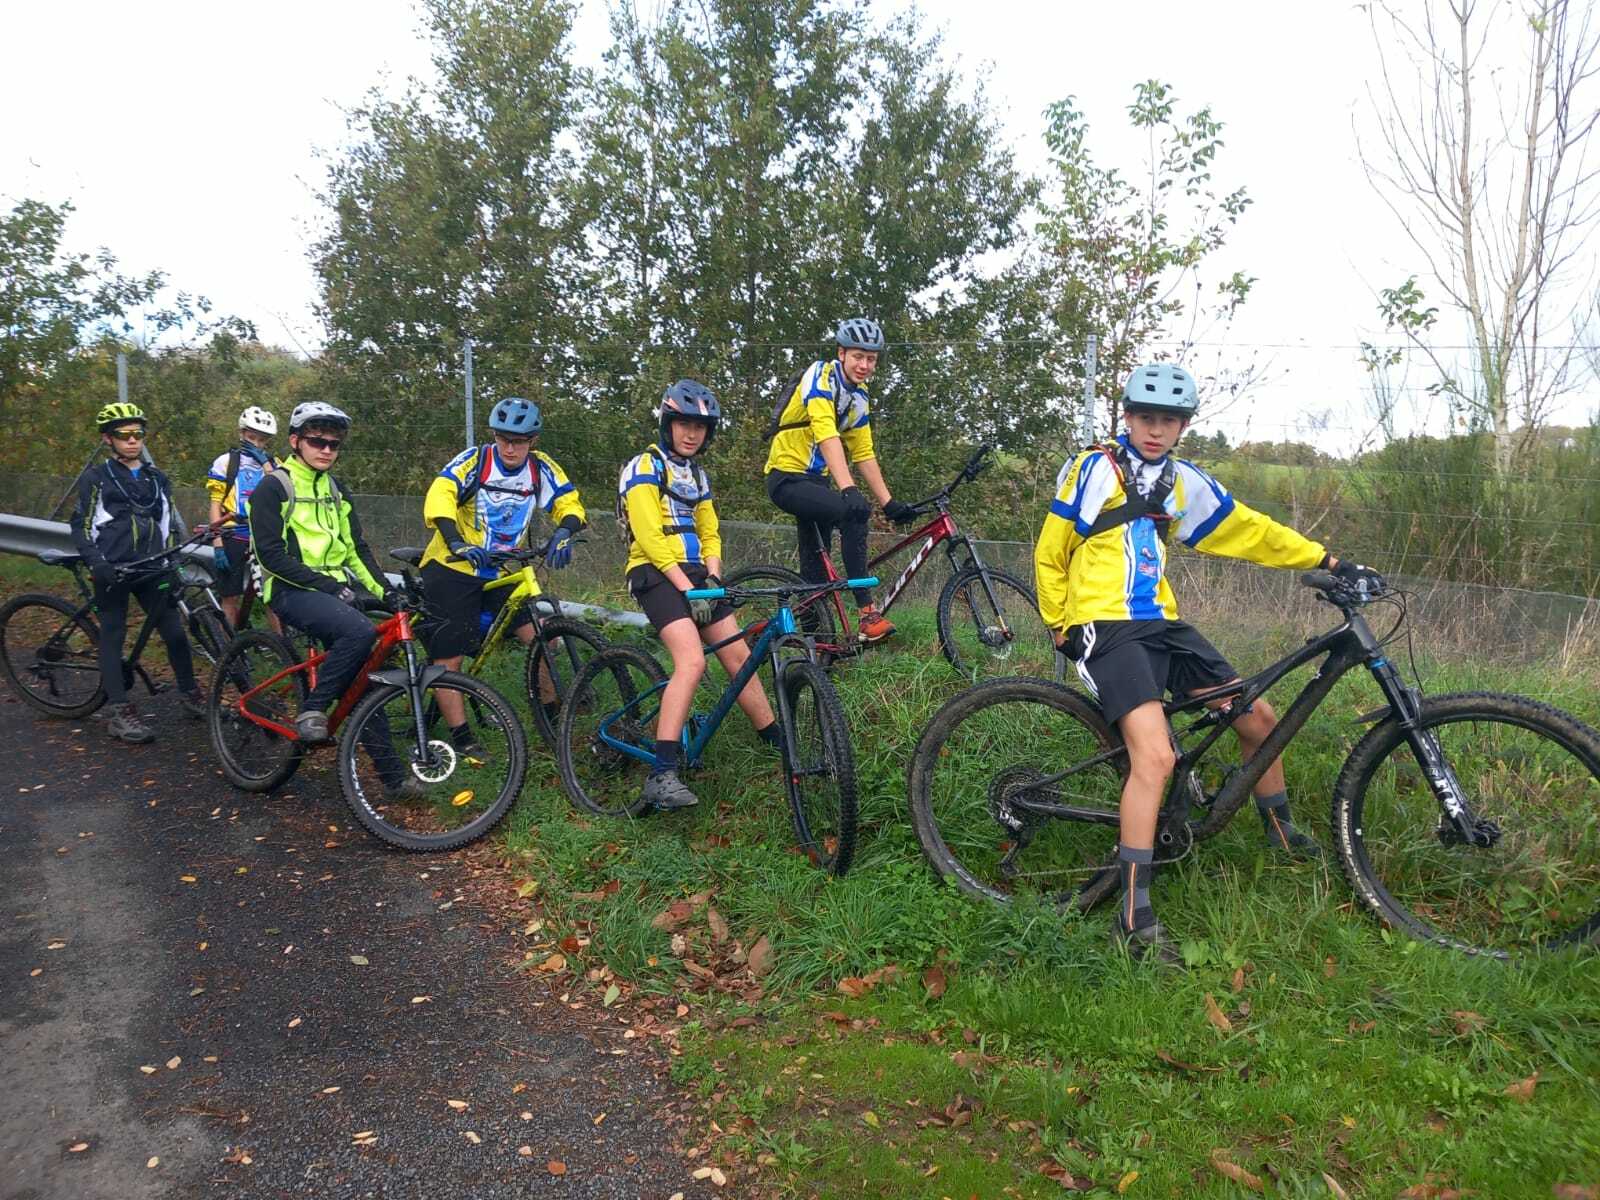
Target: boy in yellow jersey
825	427
232	478
485	499
1100	568
676	547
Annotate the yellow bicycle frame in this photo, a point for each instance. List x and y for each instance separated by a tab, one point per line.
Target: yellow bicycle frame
524	585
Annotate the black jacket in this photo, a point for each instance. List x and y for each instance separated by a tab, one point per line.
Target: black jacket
121	516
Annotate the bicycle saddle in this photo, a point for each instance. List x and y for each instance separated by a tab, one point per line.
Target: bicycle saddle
407	554
59	558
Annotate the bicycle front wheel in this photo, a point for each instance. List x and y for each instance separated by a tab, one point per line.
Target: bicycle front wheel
252	756
975	771
51	655
209	634
558	652
435	798
819	767
612	704
994	630
1534	772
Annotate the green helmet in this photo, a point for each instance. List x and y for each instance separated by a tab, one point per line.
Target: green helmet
119	412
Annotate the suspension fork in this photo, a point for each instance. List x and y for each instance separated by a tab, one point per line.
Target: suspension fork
414	690
973	560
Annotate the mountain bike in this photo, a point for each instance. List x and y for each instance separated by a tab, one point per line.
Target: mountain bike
1470	821
560	646
261	684
607	746
50	647
988	620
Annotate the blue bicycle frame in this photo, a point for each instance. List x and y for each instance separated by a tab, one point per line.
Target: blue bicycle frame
698	730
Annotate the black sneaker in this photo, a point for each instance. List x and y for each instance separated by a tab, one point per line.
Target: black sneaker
126	726
665	791
1147	943
193	702
467	745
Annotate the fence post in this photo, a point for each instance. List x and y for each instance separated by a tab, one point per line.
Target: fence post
471	428
122	378
1091	364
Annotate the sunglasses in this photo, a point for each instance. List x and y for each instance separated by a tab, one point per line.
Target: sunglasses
321	443
128	435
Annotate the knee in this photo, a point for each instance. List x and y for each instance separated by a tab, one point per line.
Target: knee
1258	722
689	667
1153	762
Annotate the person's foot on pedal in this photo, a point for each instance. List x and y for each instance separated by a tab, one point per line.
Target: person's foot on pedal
665	791
1284	838
126	726
193	702
872	625
407	790
312	725
1147	940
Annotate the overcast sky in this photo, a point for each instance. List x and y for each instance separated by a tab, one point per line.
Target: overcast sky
187	135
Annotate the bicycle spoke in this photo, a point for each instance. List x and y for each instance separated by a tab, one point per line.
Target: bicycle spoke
50	657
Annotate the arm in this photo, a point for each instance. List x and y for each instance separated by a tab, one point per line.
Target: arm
439	508
565	506
1215	523
709	529
874	476
644	520
266	539
1051	556
83	518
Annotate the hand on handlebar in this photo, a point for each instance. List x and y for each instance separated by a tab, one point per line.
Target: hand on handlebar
900	512
479	556
105	574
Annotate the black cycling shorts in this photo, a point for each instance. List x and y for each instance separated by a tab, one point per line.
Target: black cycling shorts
662	602
232	581
1128	663
456	600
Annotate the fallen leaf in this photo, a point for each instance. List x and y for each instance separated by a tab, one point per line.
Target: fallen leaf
1216	1016
1237	982
187	879
1329	968
555	962
613	994
1356	1027
148	1070
1573	1191
363	1135
760	958
556	1167
854	986
1219	1160
1522	1090
360	960
1180	1064
472	1137
1334	1188
569	944
526	888
525	1151
934	980
35	973
174	1063
458	1105
697	970
1468	1022
718	926
679	945
328	1091
294	1022
870	1119
153	1163
56	946
1126	1182
420	999
77	1147
673	915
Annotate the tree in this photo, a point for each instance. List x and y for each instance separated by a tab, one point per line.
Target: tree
1499	203
1123	255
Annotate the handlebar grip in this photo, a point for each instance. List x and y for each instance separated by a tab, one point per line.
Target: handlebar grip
1321	580
705	593
864	582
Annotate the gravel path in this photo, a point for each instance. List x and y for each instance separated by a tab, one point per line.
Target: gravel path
206	993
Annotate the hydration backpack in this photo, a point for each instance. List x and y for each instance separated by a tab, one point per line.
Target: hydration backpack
1134	504
660	463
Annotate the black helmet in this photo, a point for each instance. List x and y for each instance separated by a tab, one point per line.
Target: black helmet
687	400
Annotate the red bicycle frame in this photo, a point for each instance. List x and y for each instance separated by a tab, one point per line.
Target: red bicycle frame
392	632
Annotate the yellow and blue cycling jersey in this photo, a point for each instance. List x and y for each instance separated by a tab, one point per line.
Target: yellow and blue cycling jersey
250	465
671	518
824	404
501	508
1119	574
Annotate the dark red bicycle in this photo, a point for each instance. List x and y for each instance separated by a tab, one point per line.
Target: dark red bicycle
414	790
988	620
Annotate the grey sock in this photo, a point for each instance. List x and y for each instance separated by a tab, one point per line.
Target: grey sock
1134	867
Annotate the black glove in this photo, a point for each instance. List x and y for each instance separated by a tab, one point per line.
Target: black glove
104	574
856	507
394	600
1362	578
899	512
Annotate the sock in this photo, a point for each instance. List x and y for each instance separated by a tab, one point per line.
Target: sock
1274	810
666	756
770	736
460	733
1134	865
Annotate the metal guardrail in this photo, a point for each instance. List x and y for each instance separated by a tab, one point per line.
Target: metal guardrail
29	535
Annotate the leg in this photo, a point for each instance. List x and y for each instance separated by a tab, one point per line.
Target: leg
230	610
457	601
663	789
733	656
111	607
155	596
349	638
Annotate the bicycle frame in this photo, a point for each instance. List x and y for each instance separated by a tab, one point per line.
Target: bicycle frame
525	590
1350	645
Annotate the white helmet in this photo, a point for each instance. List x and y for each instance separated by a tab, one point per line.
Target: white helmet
260	420
319	411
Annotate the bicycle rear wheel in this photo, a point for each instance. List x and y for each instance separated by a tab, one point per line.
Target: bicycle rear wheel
1532	770
439	799
51	655
252	757
1004	636
819	767
558	652
976	764
615	698
816	618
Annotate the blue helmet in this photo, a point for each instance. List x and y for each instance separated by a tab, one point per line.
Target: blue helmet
1161	387
687	400
860	333
516	416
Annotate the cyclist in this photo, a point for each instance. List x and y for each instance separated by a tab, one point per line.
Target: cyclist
1100	567
486	499
316	568
124	513
676	546
232	478
823	427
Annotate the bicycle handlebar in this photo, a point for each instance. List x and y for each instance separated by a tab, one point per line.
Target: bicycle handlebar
1342	592
140	566
501	557
787	589
975	466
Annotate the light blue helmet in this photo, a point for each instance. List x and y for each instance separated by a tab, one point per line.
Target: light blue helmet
860	333
516	416
1161	387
